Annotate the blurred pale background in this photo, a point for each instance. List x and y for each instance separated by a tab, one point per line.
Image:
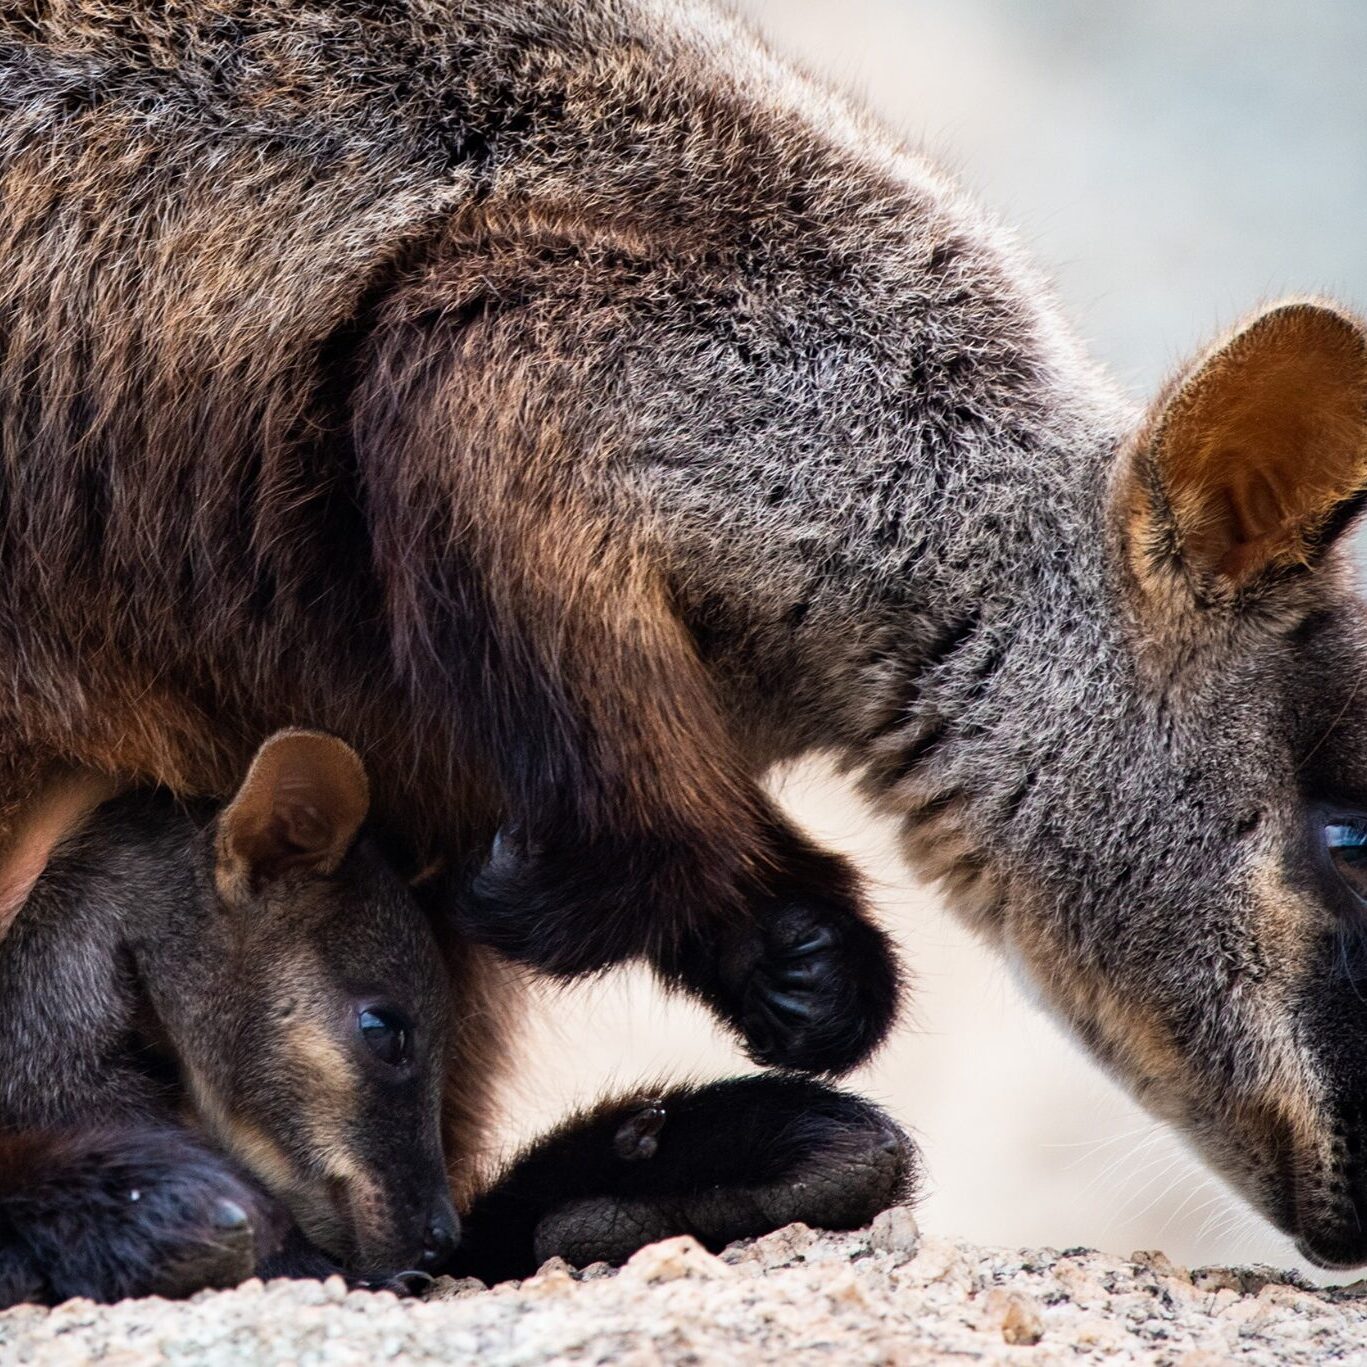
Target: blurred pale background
1170	164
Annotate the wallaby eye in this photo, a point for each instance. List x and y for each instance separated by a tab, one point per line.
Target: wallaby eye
1346	840
385	1034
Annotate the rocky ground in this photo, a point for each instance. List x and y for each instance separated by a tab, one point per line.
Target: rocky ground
882	1296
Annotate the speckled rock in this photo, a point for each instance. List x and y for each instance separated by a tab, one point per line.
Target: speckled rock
883	1297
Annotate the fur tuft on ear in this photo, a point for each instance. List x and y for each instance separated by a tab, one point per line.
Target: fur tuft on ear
1255	456
299	808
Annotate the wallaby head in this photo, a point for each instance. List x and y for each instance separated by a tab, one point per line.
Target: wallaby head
304	1001
1181	800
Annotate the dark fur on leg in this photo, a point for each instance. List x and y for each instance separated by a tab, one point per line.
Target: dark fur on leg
568	907
721	1162
125	1212
799	972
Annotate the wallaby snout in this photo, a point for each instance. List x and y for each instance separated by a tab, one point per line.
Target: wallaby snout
441	1237
382	1223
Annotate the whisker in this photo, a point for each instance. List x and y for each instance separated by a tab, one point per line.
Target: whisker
1329	730
1198	1188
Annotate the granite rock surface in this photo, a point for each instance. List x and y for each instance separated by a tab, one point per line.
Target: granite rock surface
887	1295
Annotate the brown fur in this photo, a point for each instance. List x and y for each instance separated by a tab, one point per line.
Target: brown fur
1260	443
230	1050
579	413
56	806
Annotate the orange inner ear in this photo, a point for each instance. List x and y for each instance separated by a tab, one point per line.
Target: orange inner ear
1265	440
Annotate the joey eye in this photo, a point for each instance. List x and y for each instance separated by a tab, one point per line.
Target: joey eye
385	1033
1346	840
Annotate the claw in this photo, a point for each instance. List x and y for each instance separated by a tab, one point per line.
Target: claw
799	1006
818	937
228	1216
406	1284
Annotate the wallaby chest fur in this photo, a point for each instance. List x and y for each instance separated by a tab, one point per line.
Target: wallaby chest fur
579	412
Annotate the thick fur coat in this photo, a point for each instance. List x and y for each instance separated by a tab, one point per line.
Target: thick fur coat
226	1058
579	412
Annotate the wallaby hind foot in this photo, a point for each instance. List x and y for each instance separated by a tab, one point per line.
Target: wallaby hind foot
726	1161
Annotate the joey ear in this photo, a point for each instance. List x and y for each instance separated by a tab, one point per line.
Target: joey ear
1256	456
300	806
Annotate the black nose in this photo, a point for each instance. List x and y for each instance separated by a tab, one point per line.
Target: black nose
439	1243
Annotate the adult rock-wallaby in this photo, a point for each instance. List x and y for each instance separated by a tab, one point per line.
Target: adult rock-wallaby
580	412
226	1047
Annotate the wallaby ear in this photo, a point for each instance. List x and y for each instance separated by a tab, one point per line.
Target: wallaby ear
1257	455
300	806
59	807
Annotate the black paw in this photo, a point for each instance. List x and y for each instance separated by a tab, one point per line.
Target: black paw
218	1250
602	1229
740	1158
136	1213
822	990
794	965
855	1168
